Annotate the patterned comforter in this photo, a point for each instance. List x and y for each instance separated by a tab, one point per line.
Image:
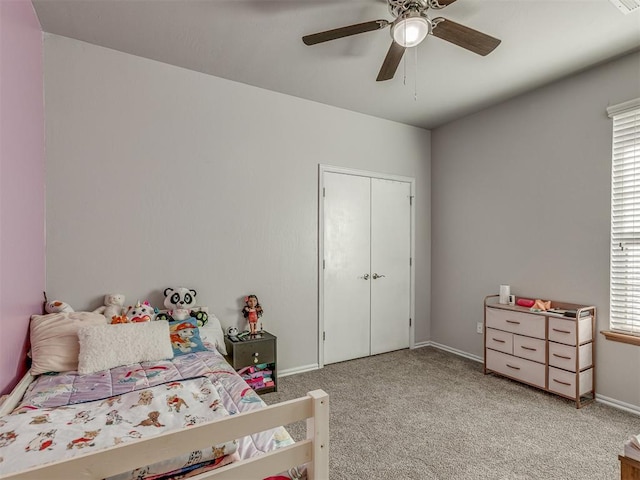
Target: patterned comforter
67	414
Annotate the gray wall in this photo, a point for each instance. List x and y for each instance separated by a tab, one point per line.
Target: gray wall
520	195
158	176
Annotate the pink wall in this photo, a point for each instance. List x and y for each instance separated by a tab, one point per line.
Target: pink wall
22	237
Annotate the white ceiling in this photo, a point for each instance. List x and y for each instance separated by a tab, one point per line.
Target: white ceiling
258	42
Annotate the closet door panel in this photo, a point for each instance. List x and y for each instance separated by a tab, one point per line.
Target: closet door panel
390	256
347	280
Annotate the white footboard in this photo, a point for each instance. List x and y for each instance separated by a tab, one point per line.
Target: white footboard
314	451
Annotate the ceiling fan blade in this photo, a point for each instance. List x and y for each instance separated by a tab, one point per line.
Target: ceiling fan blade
465	37
391	62
344	31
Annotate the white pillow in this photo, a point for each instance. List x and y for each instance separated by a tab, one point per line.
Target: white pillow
212	332
107	346
54	340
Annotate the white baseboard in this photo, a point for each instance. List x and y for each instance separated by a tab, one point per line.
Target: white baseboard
302	369
446	348
612	402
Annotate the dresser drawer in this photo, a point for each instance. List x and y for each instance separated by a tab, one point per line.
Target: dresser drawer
564	383
564	356
253	353
516	322
529	348
499	340
516	368
564	330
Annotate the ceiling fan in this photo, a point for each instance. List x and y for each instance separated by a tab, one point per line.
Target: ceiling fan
410	27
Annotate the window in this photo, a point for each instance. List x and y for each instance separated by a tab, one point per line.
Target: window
625	218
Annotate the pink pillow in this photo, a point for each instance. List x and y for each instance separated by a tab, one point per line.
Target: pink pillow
54	340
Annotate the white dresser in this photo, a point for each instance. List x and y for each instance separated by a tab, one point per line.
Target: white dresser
546	350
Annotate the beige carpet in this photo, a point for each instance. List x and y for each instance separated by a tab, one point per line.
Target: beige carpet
428	414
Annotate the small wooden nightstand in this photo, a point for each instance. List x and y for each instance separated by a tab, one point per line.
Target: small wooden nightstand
255	359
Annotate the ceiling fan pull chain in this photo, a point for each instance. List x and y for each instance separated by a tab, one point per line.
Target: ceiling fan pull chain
415	78
404	60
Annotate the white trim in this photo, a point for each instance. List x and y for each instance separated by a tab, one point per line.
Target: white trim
455	351
619	108
296	370
612	402
322	168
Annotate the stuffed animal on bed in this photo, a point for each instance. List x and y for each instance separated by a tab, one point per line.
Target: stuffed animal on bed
141	312
181	304
113	306
181	297
56	306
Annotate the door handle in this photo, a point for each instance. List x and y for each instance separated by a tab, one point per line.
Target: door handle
376	276
365	276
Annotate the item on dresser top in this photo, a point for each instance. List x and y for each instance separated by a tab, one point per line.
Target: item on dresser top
505	291
113	306
252	311
525	302
540	306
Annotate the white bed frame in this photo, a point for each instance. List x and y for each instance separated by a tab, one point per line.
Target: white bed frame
314	451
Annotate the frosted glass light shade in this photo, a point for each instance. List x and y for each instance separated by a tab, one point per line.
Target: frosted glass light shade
410	30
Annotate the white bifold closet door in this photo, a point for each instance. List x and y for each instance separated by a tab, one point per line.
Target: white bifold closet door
367	273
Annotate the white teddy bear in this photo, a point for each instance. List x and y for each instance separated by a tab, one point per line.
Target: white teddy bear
113	306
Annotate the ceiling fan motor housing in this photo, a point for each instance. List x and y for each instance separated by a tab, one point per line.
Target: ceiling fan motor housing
400	7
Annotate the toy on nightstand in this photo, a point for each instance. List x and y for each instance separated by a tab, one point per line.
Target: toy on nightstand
232	333
252	311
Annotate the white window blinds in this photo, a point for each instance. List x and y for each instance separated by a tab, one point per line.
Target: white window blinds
625	218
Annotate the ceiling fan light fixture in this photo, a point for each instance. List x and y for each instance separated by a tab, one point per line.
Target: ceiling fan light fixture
410	29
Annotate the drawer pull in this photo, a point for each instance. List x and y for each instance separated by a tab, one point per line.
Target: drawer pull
511	366
529	348
514	322
561	356
560	331
563	383
497	340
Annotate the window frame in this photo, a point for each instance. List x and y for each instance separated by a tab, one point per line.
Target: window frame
624	309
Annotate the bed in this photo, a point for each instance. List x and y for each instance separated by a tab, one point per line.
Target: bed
188	416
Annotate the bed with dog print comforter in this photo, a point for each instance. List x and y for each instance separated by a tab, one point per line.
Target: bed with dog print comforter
68	414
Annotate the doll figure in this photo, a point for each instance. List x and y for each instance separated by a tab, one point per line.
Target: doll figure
252	311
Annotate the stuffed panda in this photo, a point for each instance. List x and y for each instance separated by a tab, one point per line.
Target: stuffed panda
178	298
